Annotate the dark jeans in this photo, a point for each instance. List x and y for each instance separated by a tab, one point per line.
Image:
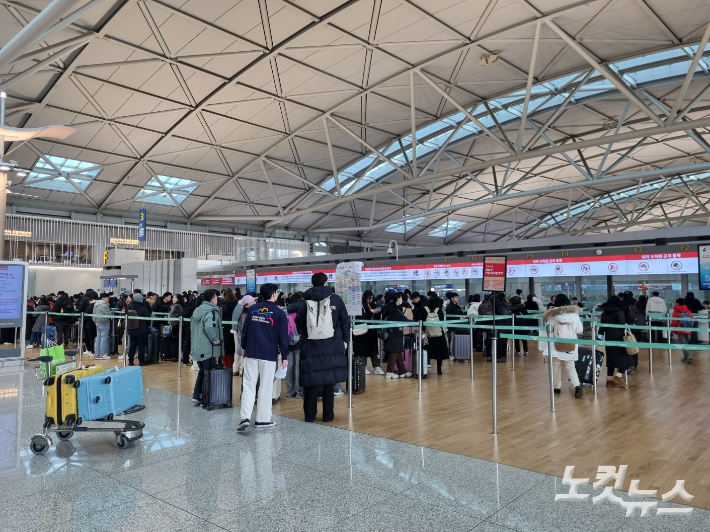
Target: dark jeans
139	341
517	345
204	365
90	337
501	347
310	401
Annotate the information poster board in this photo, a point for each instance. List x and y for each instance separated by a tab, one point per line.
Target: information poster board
495	270
347	286
141	225
251	281
704	266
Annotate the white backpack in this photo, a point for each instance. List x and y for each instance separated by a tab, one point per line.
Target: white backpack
319	319
564	330
434	331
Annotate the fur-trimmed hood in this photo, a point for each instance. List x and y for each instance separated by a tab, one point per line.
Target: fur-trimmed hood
558	311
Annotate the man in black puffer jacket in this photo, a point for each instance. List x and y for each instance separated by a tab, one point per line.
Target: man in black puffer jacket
323	362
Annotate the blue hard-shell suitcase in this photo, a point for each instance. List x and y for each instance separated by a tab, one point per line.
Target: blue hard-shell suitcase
110	393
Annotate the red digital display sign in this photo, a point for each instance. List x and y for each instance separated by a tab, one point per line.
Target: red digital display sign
495	270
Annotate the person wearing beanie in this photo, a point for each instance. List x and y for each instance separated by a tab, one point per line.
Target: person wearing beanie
100	316
137	330
565	323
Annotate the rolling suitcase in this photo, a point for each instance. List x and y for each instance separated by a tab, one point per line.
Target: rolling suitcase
168	349
415	364
62	408
74	333
359	375
110	393
583	365
462	347
217	387
153	351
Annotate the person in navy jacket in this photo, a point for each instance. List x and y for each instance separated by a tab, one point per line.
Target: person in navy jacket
264	337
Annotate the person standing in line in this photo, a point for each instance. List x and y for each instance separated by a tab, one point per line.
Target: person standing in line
62	324
431	311
618	361
103	326
293	385
239	316
564	319
685	316
323	360
394	343
694	306
228	304
264	337
137	330
657	305
365	345
519	311
207	338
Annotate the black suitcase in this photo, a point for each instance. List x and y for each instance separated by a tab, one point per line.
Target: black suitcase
168	348
359	375
583	365
153	352
74	333
217	388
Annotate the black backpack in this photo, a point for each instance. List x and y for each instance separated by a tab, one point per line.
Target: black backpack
636	316
132	324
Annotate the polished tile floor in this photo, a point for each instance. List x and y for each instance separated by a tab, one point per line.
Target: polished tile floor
193	472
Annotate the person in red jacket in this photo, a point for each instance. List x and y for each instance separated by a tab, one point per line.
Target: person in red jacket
686	320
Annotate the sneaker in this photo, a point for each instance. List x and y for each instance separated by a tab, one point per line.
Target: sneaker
102	357
428	365
195	367
195	401
243	425
367	371
689	360
408	374
260	425
338	392
578	392
378	371
517	354
527	354
28	346
299	396
87	353
391	376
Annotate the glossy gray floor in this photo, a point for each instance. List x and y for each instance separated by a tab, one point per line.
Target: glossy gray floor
193	472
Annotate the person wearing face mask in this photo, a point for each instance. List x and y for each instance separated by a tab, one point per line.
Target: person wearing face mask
394	343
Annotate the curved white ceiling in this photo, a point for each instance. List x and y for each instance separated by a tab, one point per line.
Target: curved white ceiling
228	101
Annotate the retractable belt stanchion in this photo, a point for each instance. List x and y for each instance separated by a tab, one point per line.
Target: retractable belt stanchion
551	369
494	361
125	340
594	358
180	354
669	332
470	336
350	365
420	362
650	349
80	337
45	331
513	332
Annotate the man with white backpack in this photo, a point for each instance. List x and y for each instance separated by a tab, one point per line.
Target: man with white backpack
566	325
325	330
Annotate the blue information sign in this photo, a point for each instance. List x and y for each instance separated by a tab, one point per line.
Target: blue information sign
141	225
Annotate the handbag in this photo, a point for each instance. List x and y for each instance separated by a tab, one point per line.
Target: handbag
629	337
383	334
360	332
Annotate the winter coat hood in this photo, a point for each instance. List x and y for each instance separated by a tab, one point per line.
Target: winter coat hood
559	311
293	307
206	327
318	293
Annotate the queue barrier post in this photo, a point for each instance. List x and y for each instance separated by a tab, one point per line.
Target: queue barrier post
180	354
420	365
494	361
513	331
650	349
669	334
125	341
80	337
594	359
551	369
350	365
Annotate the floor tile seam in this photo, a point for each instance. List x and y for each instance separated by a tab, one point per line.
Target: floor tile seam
523	494
415	484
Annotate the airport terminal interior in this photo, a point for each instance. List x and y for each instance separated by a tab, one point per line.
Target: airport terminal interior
318	265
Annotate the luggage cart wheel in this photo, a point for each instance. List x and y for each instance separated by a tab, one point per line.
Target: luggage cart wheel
121	441
65	436
40	443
